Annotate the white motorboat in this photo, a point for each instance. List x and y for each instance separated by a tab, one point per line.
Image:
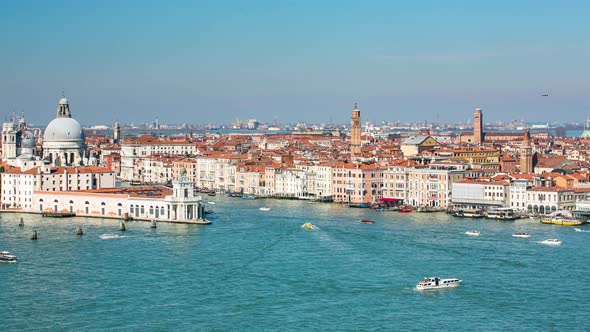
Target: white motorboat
109	236
211	202
264	208
551	242
581	230
437	283
6	257
472	233
521	234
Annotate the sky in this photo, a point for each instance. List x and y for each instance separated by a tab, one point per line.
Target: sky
286	61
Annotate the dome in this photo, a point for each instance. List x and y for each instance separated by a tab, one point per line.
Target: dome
63	129
27	139
63	101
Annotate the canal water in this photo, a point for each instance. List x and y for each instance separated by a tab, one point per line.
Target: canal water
255	270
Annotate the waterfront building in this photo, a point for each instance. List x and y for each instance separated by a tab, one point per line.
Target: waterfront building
141	202
395	181
545	200
431	185
356	183
290	182
18	186
318	180
355	131
472	194
518	193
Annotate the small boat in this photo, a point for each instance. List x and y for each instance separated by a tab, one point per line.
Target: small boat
122	226
21	222
6	257
368	221
79	231
212	203
248	197
521	234
153	225
561	221
211	194
109	236
437	283
581	230
472	233
34	236
551	242
264	208
309	225
405	209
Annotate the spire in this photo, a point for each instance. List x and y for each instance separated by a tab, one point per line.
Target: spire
355	106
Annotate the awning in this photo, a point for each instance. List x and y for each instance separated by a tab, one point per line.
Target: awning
386	199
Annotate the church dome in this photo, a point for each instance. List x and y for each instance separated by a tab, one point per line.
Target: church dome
63	129
27	139
63	101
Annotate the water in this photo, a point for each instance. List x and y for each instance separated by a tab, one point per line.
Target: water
260	271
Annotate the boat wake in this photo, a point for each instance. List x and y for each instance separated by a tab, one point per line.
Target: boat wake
309	225
581	230
112	236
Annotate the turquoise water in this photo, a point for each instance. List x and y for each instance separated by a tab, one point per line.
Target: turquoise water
260	271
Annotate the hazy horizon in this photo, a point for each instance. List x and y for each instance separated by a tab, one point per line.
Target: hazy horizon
214	61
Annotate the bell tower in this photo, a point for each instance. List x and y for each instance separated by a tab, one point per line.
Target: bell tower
526	154
355	131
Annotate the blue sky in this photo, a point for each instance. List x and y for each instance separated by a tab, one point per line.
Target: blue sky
213	61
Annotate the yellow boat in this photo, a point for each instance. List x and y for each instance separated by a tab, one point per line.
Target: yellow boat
561	221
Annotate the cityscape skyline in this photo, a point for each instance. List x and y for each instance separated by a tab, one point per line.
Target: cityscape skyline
310	62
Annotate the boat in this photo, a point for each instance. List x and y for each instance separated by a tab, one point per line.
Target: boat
309	225
551	242
264	208
248	197
368	221
211	193
405	209
6	257
521	234
502	214
468	213
109	236
561	221
472	233
211	202
437	283
581	230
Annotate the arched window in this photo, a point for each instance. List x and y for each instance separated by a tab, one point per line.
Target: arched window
142	211
151	210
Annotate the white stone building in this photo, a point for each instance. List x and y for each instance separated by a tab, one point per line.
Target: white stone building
18	186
